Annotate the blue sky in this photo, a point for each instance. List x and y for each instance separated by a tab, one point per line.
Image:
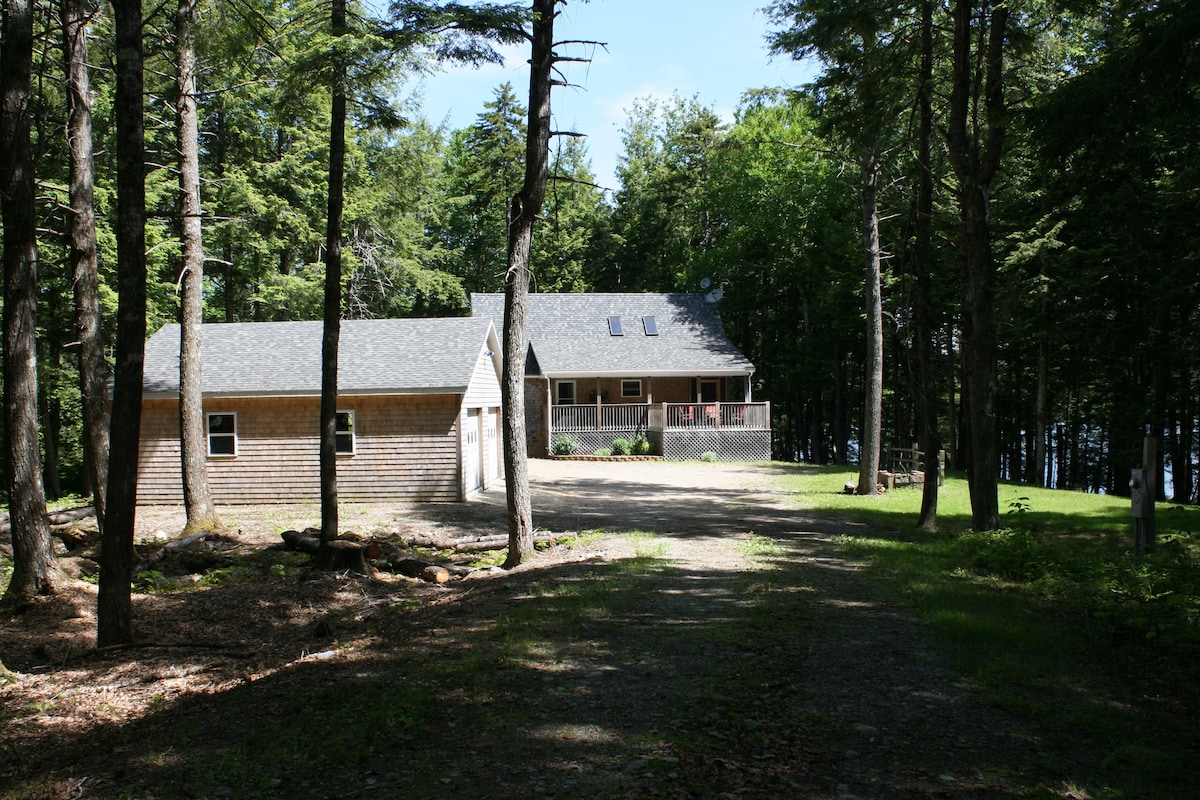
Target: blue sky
711	49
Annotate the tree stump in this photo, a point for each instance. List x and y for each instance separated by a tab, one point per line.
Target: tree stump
343	555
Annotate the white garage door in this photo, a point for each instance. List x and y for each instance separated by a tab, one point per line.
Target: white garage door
491	446
472	474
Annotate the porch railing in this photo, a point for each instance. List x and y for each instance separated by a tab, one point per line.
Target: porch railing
579	419
660	416
689	416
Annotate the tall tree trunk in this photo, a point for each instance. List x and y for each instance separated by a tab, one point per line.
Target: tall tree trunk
230	299
197	496
35	568
333	299
975	143
522	214
873	402
927	391
1041	455
114	608
49	407
841	428
93	369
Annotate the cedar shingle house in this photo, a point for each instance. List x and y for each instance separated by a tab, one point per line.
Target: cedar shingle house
606	366
418	411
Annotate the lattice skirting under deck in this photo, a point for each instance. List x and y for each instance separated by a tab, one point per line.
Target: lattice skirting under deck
728	445
689	445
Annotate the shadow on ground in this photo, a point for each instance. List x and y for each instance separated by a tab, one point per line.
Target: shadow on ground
758	666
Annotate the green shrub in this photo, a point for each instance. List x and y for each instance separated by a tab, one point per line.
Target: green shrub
708	456
1011	553
603	451
642	446
565	445
622	447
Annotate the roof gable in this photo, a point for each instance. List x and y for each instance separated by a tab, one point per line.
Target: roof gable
571	334
385	356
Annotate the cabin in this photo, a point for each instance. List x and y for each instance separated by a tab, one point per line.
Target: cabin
603	366
418	414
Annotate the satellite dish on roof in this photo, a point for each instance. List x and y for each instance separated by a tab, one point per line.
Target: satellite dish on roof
705	283
714	296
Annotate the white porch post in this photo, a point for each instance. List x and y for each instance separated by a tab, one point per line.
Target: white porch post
550	415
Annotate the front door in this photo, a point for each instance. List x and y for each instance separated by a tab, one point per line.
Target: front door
710	391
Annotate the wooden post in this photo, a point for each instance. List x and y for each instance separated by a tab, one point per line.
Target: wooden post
549	423
941	457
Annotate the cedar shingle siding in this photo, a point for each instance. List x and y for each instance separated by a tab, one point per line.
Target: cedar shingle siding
411	385
405	449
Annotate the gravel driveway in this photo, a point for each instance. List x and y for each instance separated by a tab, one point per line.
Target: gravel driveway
857	702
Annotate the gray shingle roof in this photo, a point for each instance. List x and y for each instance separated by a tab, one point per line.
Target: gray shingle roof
569	334
382	356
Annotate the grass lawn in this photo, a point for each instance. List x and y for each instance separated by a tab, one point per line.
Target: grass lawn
1052	616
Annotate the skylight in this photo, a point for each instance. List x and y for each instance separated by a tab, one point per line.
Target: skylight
651	326
614	327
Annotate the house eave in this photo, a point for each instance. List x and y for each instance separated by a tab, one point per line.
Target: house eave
633	373
267	395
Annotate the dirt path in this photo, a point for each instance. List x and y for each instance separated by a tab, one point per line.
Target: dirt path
717	647
852	700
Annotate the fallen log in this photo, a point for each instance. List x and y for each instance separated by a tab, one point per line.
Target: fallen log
63	516
75	537
338	554
305	541
470	544
175	544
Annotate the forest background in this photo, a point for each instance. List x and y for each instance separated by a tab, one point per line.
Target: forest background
1092	213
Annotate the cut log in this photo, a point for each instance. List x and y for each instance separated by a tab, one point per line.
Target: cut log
423	570
304	541
343	555
339	554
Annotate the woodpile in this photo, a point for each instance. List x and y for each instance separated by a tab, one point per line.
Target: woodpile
340	554
470	544
367	557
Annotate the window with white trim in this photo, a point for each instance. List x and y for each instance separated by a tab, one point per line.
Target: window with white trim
564	393
631	388
343	438
222	434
